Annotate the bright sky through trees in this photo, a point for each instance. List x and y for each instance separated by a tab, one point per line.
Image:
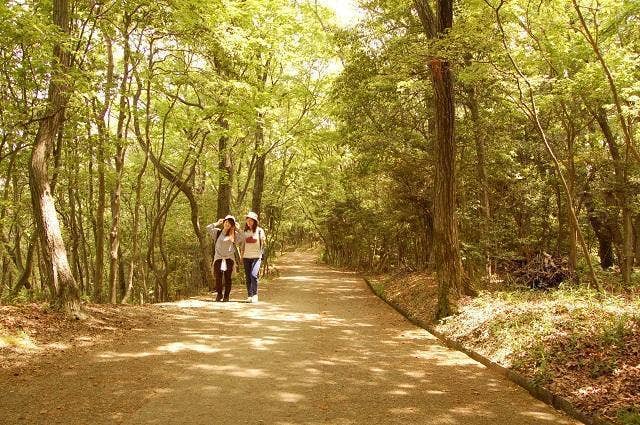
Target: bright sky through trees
347	11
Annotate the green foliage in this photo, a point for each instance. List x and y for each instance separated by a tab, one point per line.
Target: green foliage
193	66
629	416
349	158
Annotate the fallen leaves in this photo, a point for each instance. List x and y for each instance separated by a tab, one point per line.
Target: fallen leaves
581	346
33	330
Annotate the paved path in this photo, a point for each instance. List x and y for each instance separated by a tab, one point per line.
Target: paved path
319	348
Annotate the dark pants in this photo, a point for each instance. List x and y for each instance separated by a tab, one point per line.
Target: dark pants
223	276
251	270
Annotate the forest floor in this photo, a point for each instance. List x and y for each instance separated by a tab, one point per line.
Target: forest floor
578	344
319	348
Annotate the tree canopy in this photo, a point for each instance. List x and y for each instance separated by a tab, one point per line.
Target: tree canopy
135	124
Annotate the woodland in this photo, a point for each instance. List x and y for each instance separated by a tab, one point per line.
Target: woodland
492	143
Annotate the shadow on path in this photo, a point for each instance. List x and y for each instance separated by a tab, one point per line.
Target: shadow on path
319	348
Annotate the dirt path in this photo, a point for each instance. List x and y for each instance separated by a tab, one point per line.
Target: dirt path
319	348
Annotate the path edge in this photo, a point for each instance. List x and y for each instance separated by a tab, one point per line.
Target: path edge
536	391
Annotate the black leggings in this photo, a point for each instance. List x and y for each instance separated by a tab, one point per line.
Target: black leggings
223	276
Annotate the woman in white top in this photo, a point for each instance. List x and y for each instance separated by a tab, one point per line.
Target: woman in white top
251	248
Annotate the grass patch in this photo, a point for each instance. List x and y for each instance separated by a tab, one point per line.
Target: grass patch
377	286
629	416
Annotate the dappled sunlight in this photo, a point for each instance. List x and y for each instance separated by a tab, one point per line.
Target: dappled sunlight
306	279
262	343
289	397
233	370
445	358
416	334
415	374
540	416
315	350
112	355
176	347
23	342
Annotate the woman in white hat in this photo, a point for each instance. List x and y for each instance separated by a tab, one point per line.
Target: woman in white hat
251	248
224	241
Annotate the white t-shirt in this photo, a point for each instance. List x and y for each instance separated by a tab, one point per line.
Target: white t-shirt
253	243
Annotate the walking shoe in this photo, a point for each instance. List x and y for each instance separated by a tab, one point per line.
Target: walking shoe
225	300
249	299
254	299
218	298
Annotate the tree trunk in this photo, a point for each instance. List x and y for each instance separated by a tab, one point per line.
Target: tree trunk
103	139
135	251
447	251
75	234
620	191
63	286
571	181
481	173
225	172
636	237
602	231
446	246
98	276
23	280
114	234
258	186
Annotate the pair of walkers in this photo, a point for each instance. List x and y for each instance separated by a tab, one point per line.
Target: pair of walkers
226	239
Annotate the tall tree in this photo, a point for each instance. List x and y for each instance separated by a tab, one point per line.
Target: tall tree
446	245
58	273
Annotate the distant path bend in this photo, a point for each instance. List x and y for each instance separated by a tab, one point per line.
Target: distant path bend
319	348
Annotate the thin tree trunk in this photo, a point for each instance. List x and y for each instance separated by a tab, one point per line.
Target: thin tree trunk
114	234
571	174
636	237
23	280
135	251
73	227
225	172
593	42
258	186
63	286
532	113
103	138
84	246
622	198
182	183
481	172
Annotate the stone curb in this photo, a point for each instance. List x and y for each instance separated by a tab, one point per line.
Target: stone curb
536	391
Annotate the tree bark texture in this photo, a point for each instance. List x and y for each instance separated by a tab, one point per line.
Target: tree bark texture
621	195
225	171
103	139
603	231
446	245
481	173
114	234
258	186
65	293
